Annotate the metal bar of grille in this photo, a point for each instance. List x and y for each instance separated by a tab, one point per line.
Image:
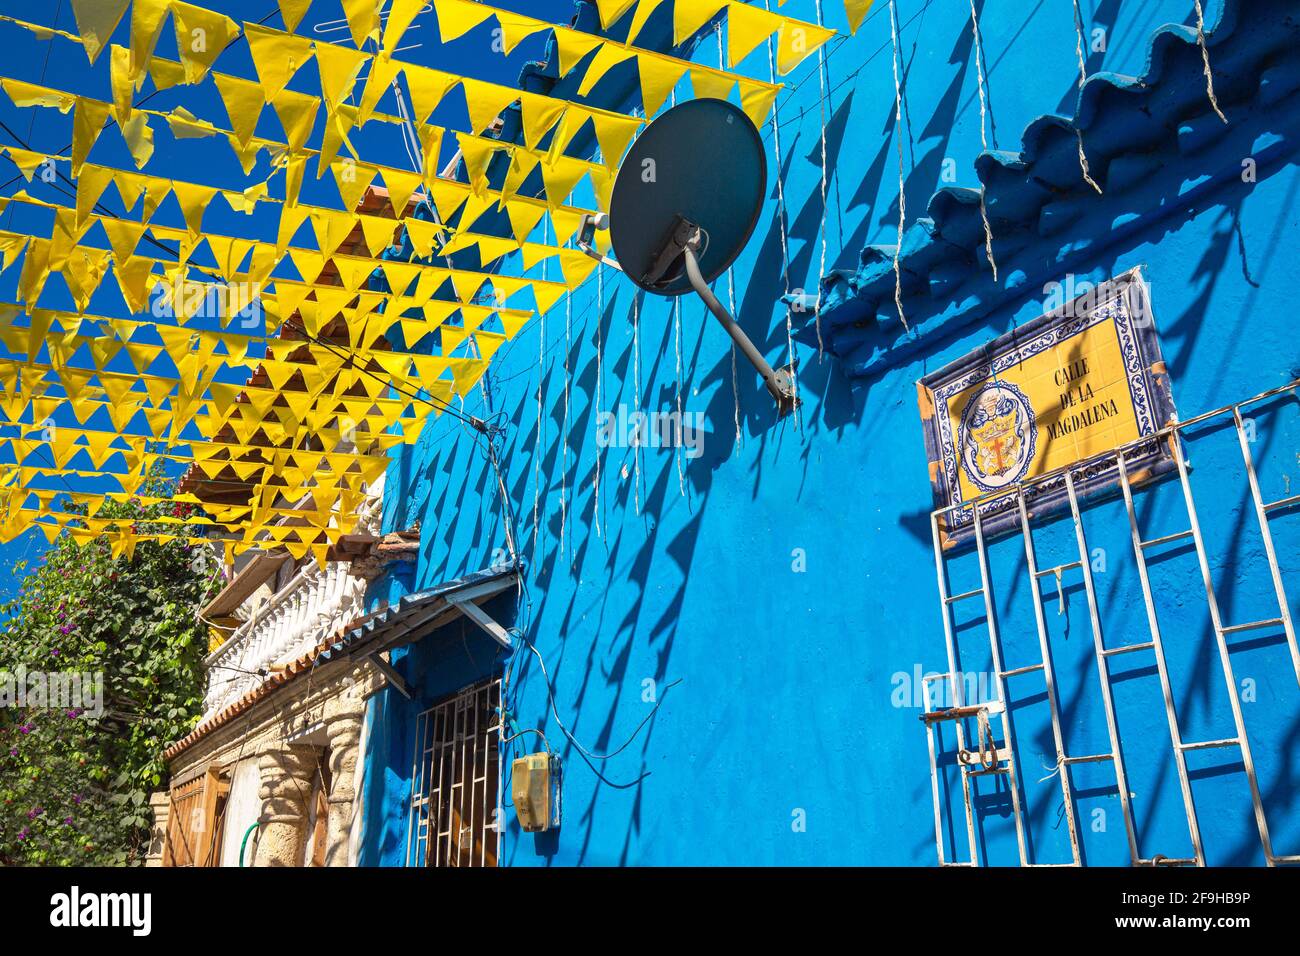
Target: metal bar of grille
1059	569
1175	739
1127	649
1103	672
1261	516
417	789
1281	503
1027	669
1248	761
934	786
1049	678
1090	758
965	594
995	647
955	684
455	812
455	778
1165	539
1166	689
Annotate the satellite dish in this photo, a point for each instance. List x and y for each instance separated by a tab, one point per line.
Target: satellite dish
686	199
702	161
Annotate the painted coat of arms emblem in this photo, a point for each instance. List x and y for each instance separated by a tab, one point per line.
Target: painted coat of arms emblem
997	436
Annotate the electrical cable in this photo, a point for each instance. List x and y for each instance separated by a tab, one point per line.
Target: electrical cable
45	65
560	723
531	730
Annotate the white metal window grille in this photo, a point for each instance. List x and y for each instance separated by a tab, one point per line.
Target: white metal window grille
987	724
455	780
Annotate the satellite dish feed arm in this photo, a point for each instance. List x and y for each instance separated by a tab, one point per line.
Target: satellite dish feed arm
779	382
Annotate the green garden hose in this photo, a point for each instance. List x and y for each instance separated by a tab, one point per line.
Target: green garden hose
243	844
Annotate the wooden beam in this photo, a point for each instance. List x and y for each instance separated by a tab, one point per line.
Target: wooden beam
389	672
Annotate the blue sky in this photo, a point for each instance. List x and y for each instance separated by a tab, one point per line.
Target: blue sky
63	65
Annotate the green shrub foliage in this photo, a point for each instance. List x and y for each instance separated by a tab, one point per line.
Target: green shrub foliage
74	786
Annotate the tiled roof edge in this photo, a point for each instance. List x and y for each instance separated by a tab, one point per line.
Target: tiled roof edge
1132	127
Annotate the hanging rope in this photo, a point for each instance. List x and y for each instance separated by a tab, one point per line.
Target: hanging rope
898	141
636	388
1205	58
776	145
600	374
822	82
1083	77
781	216
1055	768
984	139
564	450
537	457
735	382
731	294
677	347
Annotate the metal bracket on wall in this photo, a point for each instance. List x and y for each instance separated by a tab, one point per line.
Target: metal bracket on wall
390	672
685	243
482	619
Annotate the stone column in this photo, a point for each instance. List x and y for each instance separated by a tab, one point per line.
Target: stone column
344	731
161	804
287	777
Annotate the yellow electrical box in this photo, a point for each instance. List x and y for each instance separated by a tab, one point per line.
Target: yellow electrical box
531	791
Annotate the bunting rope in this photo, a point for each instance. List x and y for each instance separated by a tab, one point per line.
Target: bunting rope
612	11
278	54
747	26
231	251
352	176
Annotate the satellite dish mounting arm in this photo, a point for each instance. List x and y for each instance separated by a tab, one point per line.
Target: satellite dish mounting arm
587	227
684	243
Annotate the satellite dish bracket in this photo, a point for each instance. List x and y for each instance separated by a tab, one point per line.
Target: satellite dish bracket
587	235
684	243
686	199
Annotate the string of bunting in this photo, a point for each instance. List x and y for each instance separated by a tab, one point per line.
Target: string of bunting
282	435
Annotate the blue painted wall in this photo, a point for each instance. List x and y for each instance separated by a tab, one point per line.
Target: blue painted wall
785	576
